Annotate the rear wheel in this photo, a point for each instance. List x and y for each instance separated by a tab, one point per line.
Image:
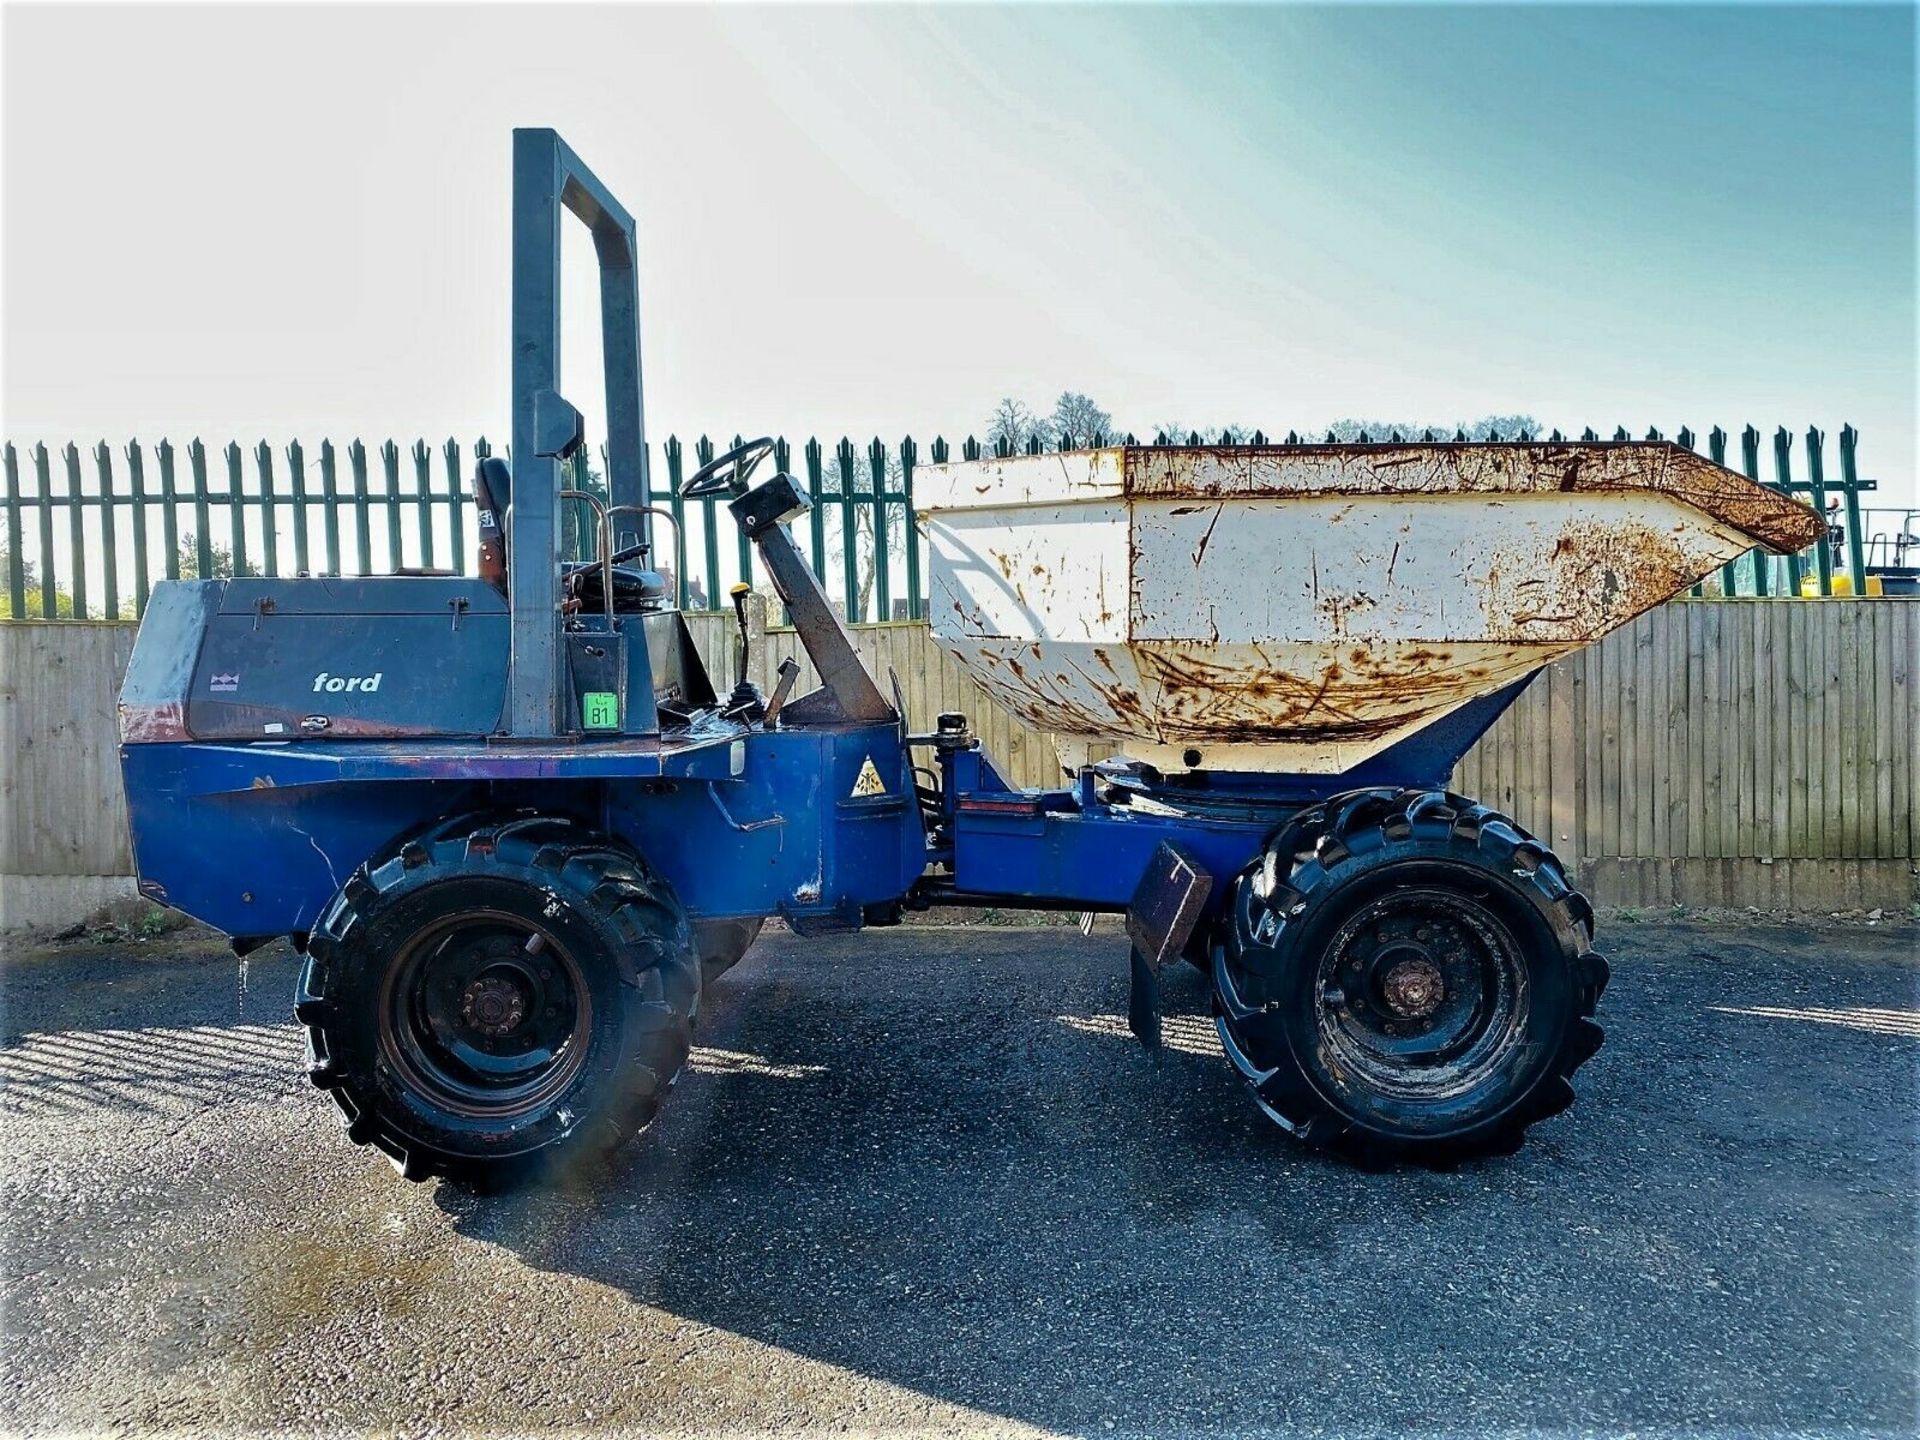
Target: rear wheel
497	998
1408	974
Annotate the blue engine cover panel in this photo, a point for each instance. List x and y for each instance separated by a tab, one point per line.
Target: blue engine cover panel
391	656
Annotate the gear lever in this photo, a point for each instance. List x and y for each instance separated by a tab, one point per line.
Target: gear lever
745	703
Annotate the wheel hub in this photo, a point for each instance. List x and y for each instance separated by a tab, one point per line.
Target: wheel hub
1413	987
1420	993
487	1012
494	1004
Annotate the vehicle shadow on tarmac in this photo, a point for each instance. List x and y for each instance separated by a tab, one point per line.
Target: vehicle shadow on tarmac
963	1178
106	1036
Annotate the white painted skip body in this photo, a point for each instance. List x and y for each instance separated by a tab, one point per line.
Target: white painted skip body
1300	608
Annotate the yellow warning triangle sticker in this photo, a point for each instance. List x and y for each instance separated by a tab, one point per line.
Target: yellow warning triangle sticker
868	782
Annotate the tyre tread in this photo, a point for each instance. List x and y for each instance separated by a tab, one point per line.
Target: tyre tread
658	971
1278	889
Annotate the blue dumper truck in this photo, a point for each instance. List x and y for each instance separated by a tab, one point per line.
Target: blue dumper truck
515	827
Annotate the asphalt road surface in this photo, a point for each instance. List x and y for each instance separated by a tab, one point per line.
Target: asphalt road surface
920	1178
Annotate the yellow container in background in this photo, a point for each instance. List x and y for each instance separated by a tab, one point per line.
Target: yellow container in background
1842	585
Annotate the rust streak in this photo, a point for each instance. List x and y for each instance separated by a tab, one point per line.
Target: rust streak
1200	550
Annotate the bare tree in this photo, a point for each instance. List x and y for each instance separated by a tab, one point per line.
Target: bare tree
862	547
1076	417
895	539
1505	427
1347	432
1012	426
1178	434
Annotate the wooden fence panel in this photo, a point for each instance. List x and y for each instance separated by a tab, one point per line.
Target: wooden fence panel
1903	772
61	811
1695	733
1745	753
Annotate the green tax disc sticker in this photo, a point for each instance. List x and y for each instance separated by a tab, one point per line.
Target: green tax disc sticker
600	710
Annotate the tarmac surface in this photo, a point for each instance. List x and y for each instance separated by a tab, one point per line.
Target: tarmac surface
922	1179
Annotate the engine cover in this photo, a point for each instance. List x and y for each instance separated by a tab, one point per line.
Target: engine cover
391	656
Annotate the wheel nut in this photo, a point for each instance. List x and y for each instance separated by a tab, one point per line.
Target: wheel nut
493	1006
1413	989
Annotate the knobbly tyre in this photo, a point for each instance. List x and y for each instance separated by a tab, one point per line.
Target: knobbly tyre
514	826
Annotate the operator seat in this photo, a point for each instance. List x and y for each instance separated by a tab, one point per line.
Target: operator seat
635	591
493	494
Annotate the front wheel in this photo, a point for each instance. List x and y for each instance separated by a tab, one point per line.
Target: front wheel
498	998
1407	974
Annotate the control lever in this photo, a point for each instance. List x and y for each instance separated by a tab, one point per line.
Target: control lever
763	512
745	702
782	687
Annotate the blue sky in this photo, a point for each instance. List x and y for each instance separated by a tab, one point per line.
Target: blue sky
882	220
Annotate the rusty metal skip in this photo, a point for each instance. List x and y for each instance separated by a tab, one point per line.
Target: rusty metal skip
1301	609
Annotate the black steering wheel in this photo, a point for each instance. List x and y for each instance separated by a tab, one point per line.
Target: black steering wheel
728	474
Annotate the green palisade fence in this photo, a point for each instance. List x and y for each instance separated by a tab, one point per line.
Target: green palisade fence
86	537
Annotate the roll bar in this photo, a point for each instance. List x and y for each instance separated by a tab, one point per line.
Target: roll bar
548	178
